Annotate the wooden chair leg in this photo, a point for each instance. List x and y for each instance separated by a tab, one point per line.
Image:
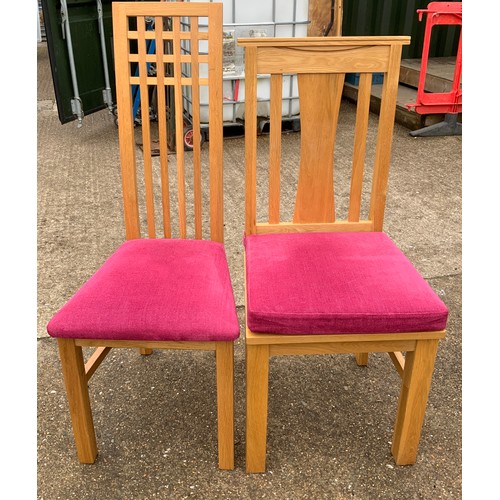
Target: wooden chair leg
225	403
77	392
417	377
361	358
257	388
145	351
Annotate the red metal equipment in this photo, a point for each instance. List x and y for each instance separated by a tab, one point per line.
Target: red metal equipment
449	103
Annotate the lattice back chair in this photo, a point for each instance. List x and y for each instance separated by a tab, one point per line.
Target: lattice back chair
323	284
171	292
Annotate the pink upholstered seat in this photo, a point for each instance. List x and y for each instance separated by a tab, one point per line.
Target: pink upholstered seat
327	283
154	289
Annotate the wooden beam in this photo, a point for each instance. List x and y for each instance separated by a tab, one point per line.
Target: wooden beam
399	362
95	360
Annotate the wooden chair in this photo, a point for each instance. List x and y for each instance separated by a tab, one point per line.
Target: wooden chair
323	284
170	292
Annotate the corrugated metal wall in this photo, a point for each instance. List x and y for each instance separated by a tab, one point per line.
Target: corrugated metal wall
398	17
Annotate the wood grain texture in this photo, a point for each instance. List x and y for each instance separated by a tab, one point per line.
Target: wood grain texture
250	140
338	17
257	380
319	17
146	129
147	344
399	362
77	392
95	360
275	148
179	128
290	227
384	139
195	92
417	378
126	124
162	126
215	98
360	135
272	338
320	97
224	355
320	59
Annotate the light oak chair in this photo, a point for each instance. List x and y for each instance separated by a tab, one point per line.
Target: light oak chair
323	284
174	291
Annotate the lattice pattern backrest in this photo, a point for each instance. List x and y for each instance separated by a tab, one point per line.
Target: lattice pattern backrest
168	57
320	65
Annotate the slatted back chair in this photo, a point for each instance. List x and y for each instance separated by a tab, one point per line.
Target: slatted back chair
170	292
321	283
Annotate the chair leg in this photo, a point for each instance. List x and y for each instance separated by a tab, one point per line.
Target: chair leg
145	351
417	377
77	392
225	403
361	358
257	387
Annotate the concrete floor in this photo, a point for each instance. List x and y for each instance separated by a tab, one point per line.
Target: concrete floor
330	422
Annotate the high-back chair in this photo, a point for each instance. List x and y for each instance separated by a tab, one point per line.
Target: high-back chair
171	289
321	283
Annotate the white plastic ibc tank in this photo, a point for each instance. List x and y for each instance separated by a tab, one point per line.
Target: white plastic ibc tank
248	19
261	11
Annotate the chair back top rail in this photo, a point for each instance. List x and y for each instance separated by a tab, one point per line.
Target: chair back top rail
164	55
320	64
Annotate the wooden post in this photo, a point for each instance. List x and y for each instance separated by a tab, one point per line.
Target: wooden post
320	15
338	15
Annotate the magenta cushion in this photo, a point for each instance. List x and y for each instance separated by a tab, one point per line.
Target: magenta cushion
154	289
320	283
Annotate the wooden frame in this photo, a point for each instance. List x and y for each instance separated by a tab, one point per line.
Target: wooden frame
77	372
123	35
321	63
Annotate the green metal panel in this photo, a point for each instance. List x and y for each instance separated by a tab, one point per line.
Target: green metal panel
398	17
87	52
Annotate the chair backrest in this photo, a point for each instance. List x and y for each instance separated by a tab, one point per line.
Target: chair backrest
320	64
167	54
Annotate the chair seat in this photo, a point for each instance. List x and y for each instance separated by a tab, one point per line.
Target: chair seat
154	289
329	283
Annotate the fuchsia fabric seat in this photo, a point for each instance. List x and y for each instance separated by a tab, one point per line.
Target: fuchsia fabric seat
324	283
154	289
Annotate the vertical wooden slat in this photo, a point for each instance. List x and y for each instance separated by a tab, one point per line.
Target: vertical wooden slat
179	126
320	96
162	126
250	139
125	119
384	138
358	160
275	148
146	129
195	93
215	117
